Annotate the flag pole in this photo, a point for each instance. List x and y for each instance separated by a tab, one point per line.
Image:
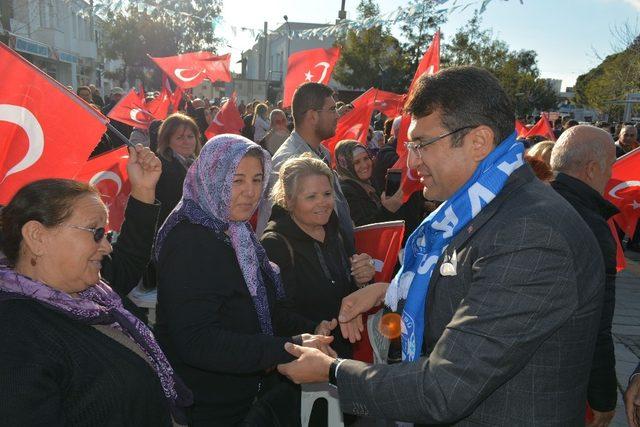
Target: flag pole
120	136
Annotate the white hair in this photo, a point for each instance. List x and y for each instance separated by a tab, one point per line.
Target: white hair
579	145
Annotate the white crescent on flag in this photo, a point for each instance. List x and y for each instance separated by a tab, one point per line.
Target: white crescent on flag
216	121
107	176
355	130
29	123
326	66
178	73
134	115
622	185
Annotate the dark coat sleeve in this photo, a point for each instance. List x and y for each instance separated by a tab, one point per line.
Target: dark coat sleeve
285	319
478	350
169	187
362	209
132	251
195	281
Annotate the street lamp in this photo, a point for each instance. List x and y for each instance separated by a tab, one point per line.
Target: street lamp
286	20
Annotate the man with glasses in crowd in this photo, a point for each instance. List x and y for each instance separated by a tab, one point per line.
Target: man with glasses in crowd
315	118
500	290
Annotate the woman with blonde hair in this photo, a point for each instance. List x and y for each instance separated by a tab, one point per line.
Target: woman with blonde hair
260	122
542	151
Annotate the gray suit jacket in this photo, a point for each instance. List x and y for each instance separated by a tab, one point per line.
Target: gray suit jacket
510	338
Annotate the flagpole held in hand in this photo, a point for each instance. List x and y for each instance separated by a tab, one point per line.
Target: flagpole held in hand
119	134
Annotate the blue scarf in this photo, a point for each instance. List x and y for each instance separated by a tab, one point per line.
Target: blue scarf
429	241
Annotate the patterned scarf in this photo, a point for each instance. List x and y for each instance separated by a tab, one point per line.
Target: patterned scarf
345	152
429	241
100	305
206	199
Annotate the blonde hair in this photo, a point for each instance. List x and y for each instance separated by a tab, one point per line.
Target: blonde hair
286	188
542	150
170	126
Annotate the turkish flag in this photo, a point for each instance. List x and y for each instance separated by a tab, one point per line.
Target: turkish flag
227	120
132	110
355	123
430	64
521	129
382	241
542	128
389	103
46	131
108	173
159	106
190	69
623	190
313	65
621	261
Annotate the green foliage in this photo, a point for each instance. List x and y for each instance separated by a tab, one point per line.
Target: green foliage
517	70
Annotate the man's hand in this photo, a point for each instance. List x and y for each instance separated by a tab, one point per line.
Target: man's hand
311	365
601	419
325	327
144	169
362	268
355	304
319	342
632	401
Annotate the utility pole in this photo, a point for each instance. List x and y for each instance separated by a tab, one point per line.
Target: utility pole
264	51
342	13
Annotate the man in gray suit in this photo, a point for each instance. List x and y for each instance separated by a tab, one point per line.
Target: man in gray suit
513	301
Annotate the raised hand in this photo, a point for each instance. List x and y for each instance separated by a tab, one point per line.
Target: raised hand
362	268
325	327
144	170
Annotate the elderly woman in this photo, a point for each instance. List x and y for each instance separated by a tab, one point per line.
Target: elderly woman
308	246
355	166
260	122
71	354
220	314
178	146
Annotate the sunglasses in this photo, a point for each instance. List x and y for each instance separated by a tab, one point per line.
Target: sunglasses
98	233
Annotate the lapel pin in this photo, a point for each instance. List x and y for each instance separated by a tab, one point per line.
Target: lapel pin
448	268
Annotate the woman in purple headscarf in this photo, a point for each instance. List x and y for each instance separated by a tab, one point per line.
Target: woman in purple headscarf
221	315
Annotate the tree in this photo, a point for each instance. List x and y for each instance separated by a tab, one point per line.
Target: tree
371	57
517	70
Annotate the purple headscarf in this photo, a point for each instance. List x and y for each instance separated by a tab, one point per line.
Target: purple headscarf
206	200
100	305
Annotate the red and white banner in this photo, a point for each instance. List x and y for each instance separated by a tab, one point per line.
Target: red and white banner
227	120
46	131
382	241
542	128
108	173
623	190
190	69
132	110
313	65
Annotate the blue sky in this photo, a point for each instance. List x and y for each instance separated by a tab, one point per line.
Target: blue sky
568	35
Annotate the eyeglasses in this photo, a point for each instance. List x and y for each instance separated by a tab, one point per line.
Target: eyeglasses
330	109
98	233
415	148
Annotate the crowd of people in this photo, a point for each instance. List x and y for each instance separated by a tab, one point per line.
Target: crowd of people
506	284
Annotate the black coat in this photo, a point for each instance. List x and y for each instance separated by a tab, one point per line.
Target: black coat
208	326
169	187
317	276
58	371
363	209
595	211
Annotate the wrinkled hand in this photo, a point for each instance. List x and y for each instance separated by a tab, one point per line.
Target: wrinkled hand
319	342
353	305
362	268
632	402
144	170
601	419
325	327
393	203
310	366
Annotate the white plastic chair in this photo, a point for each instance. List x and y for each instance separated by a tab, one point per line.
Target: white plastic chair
313	392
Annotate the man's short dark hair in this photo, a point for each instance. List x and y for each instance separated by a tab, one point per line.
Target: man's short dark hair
81	88
464	96
309	96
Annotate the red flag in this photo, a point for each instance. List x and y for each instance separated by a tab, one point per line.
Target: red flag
623	190
621	261
313	65
227	120
132	111
175	96
382	241
108	173
429	64
542	128
389	103
521	129
46	131
190	69
159	106
355	123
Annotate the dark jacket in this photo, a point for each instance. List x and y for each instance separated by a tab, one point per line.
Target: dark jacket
595	211
169	187
385	159
208	326
316	275
362	207
510	337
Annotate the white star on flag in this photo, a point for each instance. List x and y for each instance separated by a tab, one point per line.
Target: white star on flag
635	205
308	76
